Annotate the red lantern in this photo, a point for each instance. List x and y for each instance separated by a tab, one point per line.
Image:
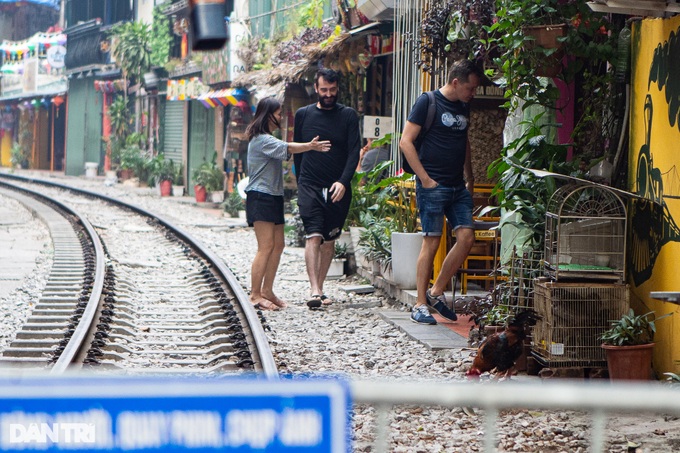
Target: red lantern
57	100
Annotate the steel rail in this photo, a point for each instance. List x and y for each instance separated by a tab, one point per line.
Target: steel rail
262	348
78	340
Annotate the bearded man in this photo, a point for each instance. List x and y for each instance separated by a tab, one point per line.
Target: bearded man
324	179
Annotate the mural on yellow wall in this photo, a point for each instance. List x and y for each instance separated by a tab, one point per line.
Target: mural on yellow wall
655	146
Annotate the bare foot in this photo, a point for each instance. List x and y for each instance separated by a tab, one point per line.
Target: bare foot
325	300
263	304
276	301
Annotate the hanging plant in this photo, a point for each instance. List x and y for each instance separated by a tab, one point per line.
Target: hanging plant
455	29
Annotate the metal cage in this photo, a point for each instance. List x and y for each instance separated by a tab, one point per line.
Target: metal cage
585	234
573	316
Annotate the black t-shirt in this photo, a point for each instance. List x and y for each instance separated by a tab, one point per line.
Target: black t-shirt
340	125
443	149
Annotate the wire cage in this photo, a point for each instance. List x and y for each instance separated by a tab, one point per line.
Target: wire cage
516	288
585	234
573	316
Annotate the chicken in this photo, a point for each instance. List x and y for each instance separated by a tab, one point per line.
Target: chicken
501	350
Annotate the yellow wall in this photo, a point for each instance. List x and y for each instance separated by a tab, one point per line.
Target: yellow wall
6	149
654	172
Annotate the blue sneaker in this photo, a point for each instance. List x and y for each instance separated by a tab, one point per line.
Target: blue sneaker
438	304
421	315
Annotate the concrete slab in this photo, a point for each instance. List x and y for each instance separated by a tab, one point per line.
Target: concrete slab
435	337
358	289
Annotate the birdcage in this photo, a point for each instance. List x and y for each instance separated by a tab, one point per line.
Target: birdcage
585	234
573	317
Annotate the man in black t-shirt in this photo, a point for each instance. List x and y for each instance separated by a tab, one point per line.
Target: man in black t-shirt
444	183
324	179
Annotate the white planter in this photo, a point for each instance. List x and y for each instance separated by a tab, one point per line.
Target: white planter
337	268
242	214
177	191
217	197
91	169
355	234
405	251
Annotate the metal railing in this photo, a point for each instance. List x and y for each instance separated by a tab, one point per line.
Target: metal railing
600	399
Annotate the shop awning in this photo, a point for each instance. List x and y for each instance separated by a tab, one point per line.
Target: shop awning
227	96
52	3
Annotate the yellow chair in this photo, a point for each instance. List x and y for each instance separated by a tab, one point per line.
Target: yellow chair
483	259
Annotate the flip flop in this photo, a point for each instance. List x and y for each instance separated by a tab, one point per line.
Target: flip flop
315	301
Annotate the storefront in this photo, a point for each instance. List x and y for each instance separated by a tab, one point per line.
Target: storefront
32	102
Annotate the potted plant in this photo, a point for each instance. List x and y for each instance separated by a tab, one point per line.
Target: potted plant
162	173
406	240
337	267
495	319
629	345
375	243
233	204
18	156
455	29
368	196
208	179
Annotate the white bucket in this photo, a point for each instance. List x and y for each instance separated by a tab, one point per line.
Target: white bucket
91	169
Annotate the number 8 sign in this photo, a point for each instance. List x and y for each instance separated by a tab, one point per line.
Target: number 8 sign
377	126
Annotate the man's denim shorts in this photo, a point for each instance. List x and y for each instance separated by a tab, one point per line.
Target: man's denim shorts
433	204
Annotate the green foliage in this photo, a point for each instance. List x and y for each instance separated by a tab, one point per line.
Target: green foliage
587	43
161	169
133	157
455	29
178	177
374	194
311	14
631	329
233	204
340	250
497	315
161	39
119	116
209	176
132	49
520	192
376	241
19	156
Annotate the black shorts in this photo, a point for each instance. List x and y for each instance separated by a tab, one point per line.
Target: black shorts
319	214
262	207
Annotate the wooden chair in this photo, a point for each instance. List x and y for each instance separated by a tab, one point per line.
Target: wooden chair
483	259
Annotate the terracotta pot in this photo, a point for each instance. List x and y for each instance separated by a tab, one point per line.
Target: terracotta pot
546	36
200	193
490	330
125	174
629	362
166	188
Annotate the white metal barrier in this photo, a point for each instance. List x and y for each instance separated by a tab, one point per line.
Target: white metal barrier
597	398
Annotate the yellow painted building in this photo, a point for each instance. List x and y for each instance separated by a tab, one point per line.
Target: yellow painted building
654	173
5	150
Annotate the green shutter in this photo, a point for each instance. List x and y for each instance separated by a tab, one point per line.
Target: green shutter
173	130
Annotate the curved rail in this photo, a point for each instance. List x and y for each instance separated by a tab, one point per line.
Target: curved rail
262	347
77	342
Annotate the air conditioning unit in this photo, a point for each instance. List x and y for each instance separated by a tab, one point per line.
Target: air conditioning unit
381	10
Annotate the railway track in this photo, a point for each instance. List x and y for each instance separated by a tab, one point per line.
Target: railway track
129	291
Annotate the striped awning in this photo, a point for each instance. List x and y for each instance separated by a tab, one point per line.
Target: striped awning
224	97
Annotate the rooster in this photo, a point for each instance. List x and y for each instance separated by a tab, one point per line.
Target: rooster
501	350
